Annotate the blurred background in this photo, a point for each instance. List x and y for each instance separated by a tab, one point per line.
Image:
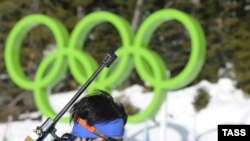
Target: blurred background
226	24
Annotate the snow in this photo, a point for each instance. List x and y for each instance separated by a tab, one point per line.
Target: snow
227	105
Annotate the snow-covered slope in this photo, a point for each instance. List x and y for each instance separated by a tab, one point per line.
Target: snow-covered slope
227	106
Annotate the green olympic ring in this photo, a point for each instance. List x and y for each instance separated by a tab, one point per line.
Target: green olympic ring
133	52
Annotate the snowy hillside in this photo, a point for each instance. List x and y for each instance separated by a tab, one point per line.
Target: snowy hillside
227	106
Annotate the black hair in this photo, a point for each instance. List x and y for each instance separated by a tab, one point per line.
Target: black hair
99	106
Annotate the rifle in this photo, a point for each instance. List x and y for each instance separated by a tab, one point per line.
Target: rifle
48	127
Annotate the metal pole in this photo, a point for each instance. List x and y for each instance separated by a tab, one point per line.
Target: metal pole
163	122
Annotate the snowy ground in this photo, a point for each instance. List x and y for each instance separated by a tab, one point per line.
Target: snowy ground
227	106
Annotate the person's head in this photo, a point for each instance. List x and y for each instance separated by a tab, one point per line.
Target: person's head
98	117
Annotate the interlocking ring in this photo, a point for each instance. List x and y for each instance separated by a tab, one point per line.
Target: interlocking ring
134	52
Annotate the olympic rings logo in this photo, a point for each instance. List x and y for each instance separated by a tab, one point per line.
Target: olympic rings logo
134	52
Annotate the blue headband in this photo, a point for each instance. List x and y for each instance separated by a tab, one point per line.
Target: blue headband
112	128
